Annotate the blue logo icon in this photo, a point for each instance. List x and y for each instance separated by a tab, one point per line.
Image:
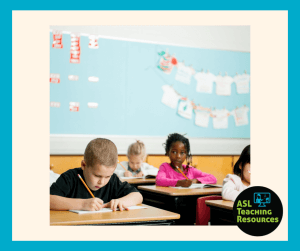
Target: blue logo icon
262	199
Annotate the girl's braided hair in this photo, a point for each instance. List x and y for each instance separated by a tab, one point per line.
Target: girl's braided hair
174	137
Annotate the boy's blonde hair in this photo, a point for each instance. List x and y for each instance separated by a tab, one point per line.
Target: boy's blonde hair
101	151
137	148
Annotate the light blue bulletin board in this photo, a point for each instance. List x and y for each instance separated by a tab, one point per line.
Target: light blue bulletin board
129	90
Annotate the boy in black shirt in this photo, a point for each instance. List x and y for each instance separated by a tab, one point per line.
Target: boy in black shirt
97	170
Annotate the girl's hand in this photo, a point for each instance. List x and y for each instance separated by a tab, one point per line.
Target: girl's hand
114	204
184	183
128	174
140	174
195	181
93	204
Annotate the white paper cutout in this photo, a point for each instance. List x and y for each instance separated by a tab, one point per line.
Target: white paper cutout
223	85
75	49
170	97
55	104
93	79
73	77
184	73
74	106
240	116
204	82
242	83
220	118
92	105
185	109
54	78
202	118
166	63
93	44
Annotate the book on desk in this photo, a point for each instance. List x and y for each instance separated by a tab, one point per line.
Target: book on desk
199	186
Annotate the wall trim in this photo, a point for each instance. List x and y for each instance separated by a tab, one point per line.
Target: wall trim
71	144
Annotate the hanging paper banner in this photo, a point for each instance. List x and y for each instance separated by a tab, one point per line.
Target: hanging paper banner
240	116
92	105
55	104
57	40
73	77
74	106
75	49
54	78
93	44
166	62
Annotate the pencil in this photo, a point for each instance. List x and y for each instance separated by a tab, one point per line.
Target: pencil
182	172
122	166
86	186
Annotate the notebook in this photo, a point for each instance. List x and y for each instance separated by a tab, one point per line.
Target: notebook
199	186
104	210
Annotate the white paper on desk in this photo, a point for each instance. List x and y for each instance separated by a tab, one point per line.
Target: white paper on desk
128	178
104	210
199	186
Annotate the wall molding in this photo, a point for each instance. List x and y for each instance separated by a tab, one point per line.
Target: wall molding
71	144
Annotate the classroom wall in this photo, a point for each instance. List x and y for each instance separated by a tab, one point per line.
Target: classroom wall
225	38
219	166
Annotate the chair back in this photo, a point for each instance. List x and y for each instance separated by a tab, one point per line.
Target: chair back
203	211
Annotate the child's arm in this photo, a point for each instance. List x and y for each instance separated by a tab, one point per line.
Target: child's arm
162	180
229	190
128	200
202	177
63	203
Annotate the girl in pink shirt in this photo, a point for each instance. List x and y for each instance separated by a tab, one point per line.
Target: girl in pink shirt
178	149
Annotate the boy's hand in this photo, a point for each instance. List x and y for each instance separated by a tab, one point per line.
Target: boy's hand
128	174
114	204
140	174
93	204
184	183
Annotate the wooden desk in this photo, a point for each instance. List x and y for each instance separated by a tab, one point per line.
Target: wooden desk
145	216
138	182
182	201
221	212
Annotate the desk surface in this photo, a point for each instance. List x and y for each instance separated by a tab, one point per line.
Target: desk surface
59	218
139	181
181	192
226	204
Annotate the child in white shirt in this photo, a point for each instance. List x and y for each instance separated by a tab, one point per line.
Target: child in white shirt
136	167
234	184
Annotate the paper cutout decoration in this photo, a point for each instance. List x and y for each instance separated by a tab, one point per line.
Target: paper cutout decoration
205	82
220	118
73	77
93	79
93	44
54	78
92	105
223	85
74	106
55	104
75	49
242	83
170	97
202	118
57	40
240	116
185	109
166	62
184	73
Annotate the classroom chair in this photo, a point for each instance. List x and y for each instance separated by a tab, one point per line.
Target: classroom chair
203	211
